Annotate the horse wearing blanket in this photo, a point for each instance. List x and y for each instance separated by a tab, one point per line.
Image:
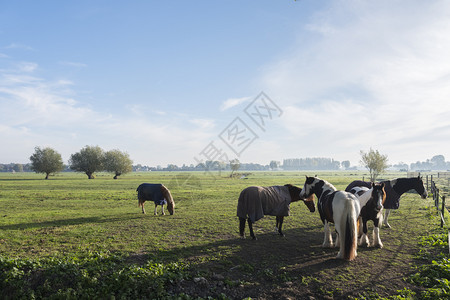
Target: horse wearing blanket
338	207
157	193
256	201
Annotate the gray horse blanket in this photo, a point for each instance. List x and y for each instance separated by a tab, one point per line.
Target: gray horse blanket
151	192
257	201
392	198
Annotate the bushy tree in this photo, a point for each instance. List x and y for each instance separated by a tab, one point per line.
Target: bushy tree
46	161
234	165
375	162
117	162
89	160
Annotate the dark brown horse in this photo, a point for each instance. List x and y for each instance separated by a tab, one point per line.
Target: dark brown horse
256	201
157	193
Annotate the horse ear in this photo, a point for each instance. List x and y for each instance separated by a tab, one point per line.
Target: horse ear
382	185
373	184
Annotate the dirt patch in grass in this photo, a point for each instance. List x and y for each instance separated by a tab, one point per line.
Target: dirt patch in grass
297	267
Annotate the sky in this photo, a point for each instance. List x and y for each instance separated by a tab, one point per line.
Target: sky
182	82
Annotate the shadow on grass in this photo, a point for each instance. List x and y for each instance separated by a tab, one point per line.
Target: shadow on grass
297	266
68	222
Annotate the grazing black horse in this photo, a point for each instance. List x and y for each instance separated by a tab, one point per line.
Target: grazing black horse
256	201
157	193
371	201
394	189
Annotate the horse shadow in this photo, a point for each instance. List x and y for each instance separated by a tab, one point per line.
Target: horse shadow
296	261
66	222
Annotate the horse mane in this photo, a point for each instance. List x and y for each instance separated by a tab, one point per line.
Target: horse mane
402	185
294	192
326	185
167	195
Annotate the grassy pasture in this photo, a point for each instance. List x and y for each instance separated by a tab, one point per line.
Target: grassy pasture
71	216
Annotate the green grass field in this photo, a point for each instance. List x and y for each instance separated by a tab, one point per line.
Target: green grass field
69	217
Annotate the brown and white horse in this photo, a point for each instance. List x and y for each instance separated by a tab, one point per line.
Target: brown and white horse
338	207
157	193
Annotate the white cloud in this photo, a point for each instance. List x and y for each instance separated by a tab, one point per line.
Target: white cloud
376	75
37	112
73	64
232	102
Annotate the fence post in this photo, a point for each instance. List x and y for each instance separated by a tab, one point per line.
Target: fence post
442	211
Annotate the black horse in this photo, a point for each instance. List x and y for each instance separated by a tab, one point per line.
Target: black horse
394	189
256	201
371	201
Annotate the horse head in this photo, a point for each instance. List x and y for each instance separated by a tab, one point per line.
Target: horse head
308	188
309	202
378	195
169	199
295	196
419	187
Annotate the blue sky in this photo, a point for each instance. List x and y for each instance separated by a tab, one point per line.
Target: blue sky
177	81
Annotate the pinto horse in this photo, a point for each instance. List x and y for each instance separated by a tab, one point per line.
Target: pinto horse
338	207
256	201
394	189
371	202
157	193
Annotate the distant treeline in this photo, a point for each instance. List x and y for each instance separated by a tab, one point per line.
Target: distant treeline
317	163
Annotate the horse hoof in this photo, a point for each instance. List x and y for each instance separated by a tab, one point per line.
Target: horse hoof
387	225
254	238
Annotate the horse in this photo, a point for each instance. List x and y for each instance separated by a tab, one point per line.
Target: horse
338	207
157	193
256	201
371	202
394	189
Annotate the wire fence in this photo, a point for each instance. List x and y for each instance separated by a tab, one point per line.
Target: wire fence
439	200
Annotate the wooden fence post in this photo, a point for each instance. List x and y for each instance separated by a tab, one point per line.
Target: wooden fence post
442	211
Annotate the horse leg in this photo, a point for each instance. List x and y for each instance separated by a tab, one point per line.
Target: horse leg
242	227
156	206
386	216
328	239
162	209
250	227
376	234
360	227
143	210
364	241
280	224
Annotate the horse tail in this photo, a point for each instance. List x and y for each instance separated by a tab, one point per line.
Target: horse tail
140	201
351	231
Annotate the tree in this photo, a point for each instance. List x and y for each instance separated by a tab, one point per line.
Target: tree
274	164
345	164
88	160
438	162
374	162
117	162
235	165
46	161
